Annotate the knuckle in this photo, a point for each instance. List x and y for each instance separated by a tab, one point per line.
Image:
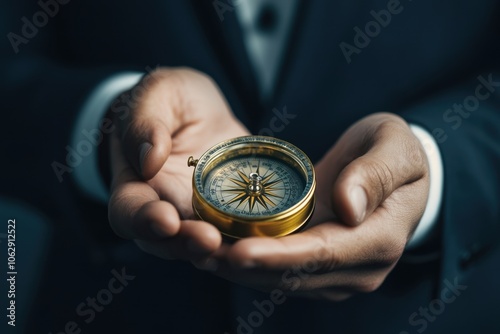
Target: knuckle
412	158
416	157
185	75
390	126
159	81
205	78
150	83
380	178
328	258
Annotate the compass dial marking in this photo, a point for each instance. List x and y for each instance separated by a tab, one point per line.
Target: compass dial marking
253	186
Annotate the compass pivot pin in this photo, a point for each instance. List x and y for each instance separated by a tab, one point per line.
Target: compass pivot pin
255	187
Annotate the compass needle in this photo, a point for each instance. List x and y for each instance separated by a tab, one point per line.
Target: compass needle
252	203
268	200
267	178
243	176
241	184
244	199
270	193
237	197
272	183
261	202
232	190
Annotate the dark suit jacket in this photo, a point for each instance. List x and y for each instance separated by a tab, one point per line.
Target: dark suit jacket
421	63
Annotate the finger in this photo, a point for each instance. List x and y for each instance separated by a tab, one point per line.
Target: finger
135	212
146	126
394	159
134	209
300	278
322	248
194	240
278	253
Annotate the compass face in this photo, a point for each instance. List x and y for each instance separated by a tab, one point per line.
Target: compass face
253	186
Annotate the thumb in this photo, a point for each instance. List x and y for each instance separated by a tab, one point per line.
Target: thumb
144	128
393	160
147	145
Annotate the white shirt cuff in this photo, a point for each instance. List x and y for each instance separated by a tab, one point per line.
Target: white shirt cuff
436	175
87	133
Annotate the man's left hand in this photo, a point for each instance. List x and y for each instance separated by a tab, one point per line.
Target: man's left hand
372	189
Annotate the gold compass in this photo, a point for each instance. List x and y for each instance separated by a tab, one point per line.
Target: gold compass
254	186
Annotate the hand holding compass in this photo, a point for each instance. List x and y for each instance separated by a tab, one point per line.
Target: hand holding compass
181	113
152	194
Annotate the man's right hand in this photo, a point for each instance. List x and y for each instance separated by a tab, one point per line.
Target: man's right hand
180	113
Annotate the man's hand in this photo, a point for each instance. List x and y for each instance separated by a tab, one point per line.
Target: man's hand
375	181
179	113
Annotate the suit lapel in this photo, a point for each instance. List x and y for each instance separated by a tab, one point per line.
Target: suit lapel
290	52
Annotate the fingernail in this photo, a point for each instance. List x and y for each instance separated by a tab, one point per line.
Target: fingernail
359	202
144	148
209	264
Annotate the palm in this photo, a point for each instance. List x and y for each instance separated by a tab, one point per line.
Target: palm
174	181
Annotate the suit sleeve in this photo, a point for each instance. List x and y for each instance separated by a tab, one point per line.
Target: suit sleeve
465	122
42	93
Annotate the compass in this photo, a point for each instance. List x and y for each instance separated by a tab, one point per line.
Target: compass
254	186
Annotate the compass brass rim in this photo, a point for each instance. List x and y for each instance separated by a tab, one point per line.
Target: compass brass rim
237	229
238	226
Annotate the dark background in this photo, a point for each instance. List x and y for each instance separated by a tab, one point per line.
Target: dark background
427	59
